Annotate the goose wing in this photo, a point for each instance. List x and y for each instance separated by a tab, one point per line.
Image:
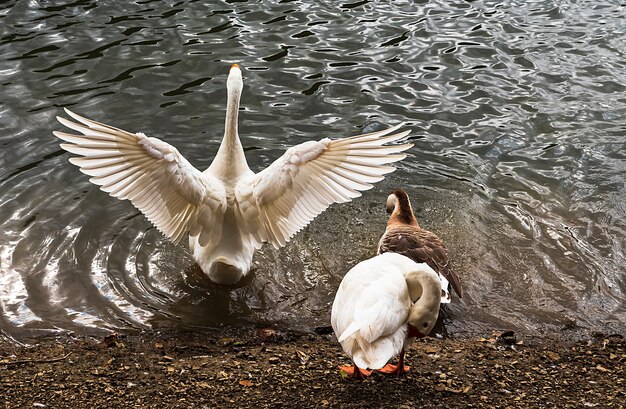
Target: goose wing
176	197
383	307
283	198
421	246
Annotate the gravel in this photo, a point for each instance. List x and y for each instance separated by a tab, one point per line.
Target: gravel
272	369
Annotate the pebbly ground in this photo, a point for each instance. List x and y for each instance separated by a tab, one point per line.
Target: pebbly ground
270	369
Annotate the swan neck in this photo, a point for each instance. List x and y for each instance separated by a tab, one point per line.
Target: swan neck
230	161
231	132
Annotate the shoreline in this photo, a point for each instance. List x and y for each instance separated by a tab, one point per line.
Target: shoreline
270	368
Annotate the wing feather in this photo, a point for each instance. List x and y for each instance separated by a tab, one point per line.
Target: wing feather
311	176
152	174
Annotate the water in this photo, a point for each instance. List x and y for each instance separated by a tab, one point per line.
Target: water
517	111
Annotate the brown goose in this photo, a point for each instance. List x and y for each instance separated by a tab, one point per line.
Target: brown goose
405	236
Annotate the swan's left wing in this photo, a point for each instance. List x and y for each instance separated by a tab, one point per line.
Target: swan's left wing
283	198
176	197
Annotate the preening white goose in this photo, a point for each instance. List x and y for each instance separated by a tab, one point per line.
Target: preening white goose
381	306
228	210
405	236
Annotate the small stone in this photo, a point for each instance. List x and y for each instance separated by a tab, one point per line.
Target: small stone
274	360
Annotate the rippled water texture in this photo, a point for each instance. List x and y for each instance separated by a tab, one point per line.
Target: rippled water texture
517	110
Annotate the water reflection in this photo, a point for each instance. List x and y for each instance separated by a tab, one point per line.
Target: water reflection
518	165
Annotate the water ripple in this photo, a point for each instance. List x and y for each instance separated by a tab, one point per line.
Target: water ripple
516	111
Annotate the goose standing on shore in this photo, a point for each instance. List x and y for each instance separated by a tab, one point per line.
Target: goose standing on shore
228	210
405	236
381	306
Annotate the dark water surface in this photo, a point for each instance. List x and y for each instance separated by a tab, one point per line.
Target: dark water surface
518	117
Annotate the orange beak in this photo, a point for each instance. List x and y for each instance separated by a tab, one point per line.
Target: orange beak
234	66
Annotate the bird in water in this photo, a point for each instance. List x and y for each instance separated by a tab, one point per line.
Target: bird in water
405	236
381	306
228	210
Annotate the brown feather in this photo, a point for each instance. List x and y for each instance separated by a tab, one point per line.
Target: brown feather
404	236
402	213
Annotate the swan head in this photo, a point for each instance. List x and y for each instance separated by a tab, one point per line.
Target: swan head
234	84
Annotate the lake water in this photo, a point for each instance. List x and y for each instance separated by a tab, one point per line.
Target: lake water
517	111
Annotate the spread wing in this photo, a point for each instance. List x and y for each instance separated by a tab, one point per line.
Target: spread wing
176	197
283	198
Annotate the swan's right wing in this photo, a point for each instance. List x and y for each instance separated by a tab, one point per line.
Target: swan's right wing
283	198
176	197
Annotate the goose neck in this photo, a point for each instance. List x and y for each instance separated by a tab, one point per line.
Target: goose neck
424	289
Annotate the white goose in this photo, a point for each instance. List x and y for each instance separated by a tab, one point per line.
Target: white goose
228	210
381	306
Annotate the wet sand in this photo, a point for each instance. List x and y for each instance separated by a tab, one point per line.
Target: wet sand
268	369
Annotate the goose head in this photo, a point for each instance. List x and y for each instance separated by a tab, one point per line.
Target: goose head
427	294
399	207
391	203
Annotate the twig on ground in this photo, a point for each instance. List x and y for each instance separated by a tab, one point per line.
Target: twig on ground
35	361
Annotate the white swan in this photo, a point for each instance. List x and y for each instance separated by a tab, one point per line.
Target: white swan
381	306
228	210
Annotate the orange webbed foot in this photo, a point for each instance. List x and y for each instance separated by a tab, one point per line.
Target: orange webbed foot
353	371
390	369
